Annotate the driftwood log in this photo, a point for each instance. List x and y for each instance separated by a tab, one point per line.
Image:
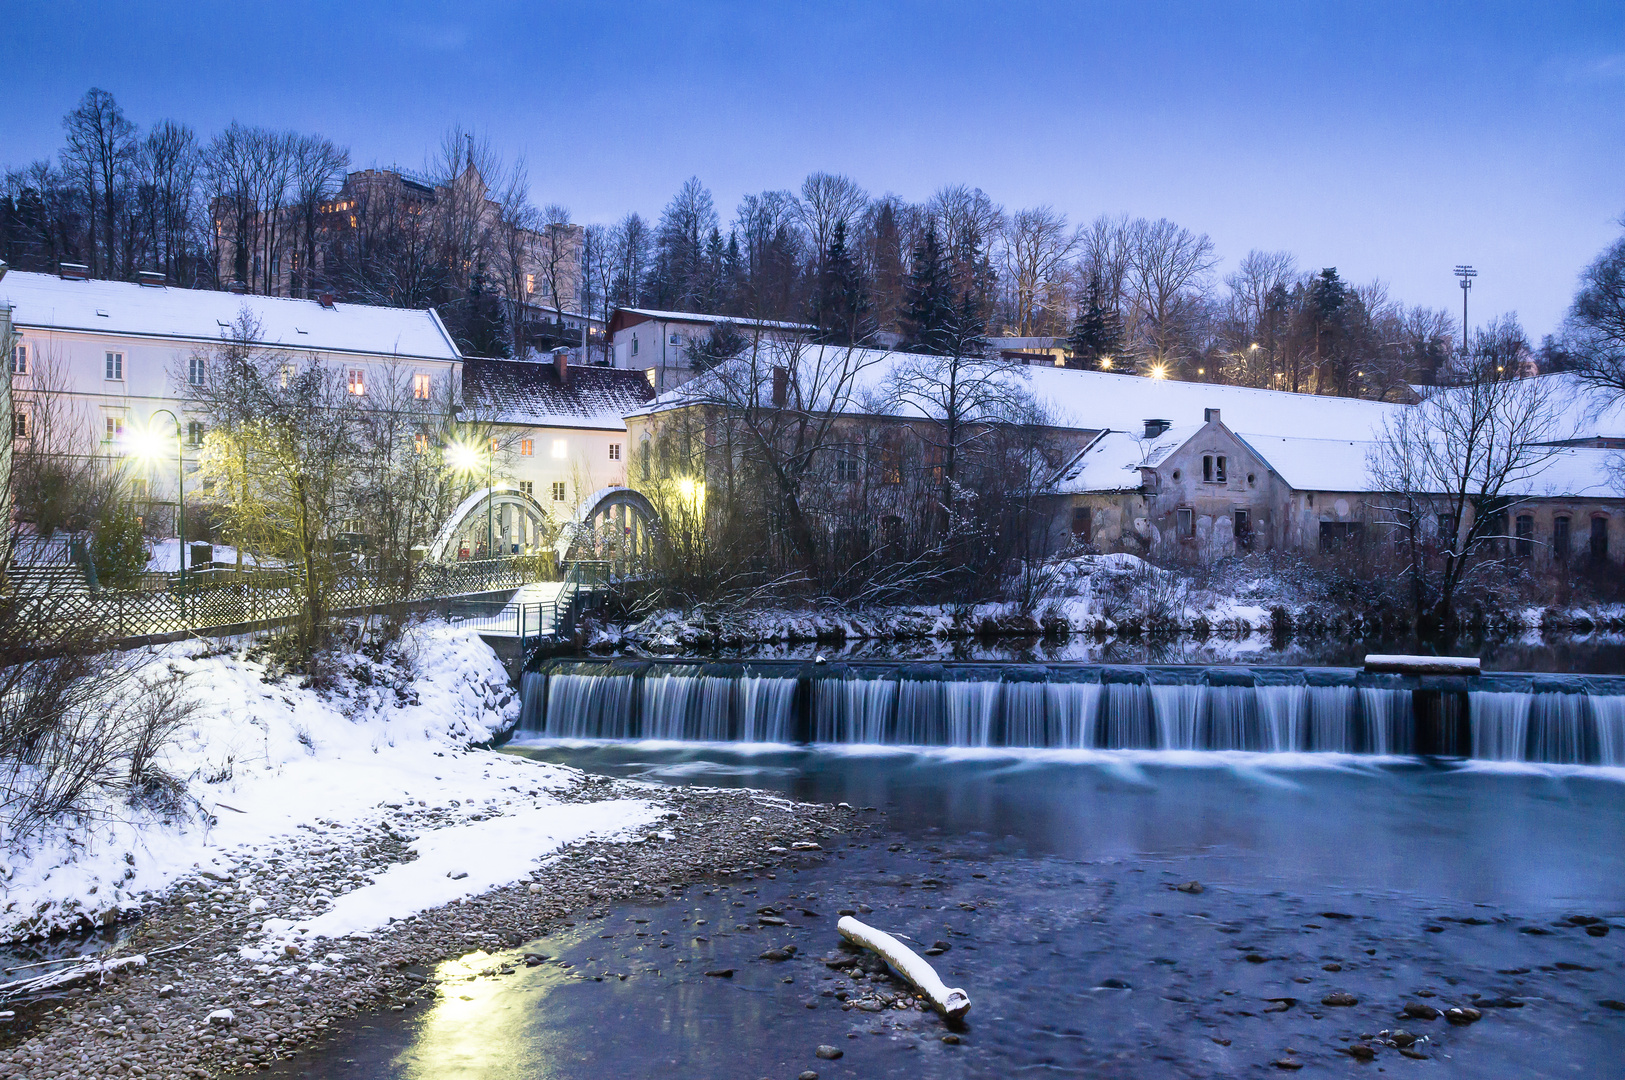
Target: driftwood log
951	1002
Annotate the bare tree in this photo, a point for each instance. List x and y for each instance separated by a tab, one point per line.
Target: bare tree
1454	468
100	151
1033	256
318	168
1167	284
828	200
1597	320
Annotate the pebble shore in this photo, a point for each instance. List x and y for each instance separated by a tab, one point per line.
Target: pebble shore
196	1009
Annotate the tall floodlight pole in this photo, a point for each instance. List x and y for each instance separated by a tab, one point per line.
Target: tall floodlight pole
1467	274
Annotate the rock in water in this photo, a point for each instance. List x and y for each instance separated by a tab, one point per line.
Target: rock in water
1340	999
1463	1015
830	1053
1192	887
1417	1010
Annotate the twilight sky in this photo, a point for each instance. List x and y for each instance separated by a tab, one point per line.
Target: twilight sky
1390	140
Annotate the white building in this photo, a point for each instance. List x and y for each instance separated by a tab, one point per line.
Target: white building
114	355
657	342
560	435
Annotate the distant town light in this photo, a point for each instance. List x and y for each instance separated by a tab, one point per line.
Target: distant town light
1106	363
1159	371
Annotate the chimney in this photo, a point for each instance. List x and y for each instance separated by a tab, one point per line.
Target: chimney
1153	428
781	387
238	288
1210	416
73	271
152	279
561	361
325	299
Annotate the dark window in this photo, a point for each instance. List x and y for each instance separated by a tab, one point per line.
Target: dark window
891	530
1244	530
1338	536
1219	469
1207	469
1447	530
1560	539
1083	525
1526	536
1599	539
1185	521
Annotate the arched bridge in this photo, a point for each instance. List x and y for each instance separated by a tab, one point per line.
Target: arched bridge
613	524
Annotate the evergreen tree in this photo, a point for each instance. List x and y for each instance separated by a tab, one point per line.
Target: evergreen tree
841	299
484	327
1097	333
930	316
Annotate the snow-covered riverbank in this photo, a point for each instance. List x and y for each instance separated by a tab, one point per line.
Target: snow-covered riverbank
331	844
276	768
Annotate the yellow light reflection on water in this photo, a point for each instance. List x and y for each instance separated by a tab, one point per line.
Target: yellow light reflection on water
479	1029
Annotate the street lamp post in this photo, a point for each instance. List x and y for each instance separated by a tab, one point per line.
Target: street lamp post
1467	274
149	451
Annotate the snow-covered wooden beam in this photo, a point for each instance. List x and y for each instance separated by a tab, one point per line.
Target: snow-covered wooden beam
952	1002
1423	665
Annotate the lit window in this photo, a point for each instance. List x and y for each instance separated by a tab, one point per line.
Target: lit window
194	432
19	359
287	374
196	369
527	488
527	447
493	445
19	425
420	443
114	429
420	386
614	451
560	448
558	491
530	283
114	365
358	382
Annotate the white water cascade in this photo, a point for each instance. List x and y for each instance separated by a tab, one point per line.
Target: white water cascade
1140	709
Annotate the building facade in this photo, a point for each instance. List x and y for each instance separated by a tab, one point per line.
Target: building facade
658	343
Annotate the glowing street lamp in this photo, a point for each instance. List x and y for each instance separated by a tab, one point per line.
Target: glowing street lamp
465	458
1159	371
147	445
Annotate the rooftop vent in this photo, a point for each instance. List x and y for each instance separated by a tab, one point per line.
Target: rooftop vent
325	299
561	359
1153	428
73	271
238	288
152	279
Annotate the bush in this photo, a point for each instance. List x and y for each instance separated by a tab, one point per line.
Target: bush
118	549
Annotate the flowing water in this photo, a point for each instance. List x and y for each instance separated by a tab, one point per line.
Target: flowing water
1502	717
1430	842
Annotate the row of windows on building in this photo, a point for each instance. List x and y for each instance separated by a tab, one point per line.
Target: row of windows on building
197	372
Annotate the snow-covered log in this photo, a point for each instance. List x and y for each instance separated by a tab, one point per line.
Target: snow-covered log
1423	665
952	1002
85	967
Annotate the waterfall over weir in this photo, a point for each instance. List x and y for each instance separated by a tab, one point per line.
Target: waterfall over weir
1502	717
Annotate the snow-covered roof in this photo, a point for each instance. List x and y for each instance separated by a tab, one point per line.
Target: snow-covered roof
1315	464
1081	400
48	302
1113	459
1342	465
695	317
522	392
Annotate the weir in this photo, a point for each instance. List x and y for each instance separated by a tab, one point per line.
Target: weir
1496	716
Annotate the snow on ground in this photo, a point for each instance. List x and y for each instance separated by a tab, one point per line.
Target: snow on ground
164	556
273	765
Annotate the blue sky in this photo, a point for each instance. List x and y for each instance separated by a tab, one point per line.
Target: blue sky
1389	140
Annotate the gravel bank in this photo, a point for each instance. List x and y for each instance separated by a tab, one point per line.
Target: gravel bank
197	1009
